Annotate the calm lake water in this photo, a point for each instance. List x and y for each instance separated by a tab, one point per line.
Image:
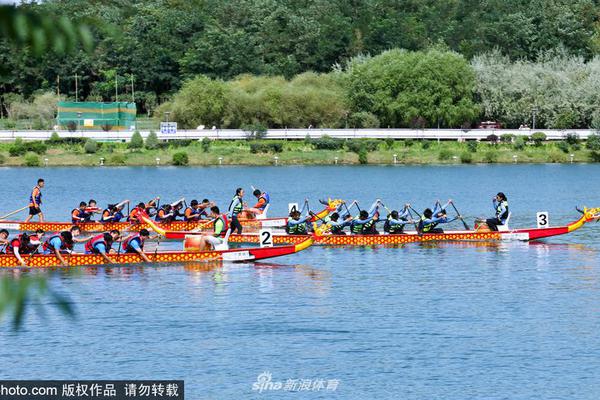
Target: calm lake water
451	321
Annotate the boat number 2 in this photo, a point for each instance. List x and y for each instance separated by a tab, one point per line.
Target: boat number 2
542	219
266	238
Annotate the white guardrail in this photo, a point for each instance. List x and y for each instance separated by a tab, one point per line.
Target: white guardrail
298	134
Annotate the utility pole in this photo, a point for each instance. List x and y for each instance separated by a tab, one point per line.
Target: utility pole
58	85
116	88
76	90
132	90
534	110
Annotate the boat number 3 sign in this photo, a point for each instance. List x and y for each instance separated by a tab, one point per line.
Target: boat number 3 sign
542	219
266	238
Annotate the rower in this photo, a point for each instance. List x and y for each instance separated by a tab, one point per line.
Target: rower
205	208
108	214
193	212
235	207
4	242
336	227
135	244
102	244
118	214
132	218
297	225
263	201
365	222
59	243
394	224
164	214
35	202
91	209
220	227
432	218
24	244
501	208
151	206
78	214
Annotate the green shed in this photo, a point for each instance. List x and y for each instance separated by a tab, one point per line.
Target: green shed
117	116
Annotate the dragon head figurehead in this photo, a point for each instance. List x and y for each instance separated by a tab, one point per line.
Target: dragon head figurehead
333	204
591	214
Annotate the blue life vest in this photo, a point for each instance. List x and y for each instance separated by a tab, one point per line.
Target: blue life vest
267	198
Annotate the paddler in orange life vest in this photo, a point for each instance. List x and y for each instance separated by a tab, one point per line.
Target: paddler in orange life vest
135	244
25	244
35	202
58	243
141	207
102	244
262	203
164	214
220	226
193	212
79	215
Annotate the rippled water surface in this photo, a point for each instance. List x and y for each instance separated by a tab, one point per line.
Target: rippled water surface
448	321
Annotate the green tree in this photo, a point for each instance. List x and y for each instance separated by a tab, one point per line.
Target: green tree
402	88
136	142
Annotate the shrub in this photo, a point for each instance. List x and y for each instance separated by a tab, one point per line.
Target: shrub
90	146
328	143
275	147
2	159
572	138
593	142
181	158
466	158
307	139
556	157
362	156
520	143
151	141
363	119
17	148
576	147
389	143
425	144
40	124
36	146
255	131
409	142
595	156
472	146
117	159
563	146
492	138
491	156
538	138
32	160
356	145
205	145
507	138
136	142
444	155
10	124
54	138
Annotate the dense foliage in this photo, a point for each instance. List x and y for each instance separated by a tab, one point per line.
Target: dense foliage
252	59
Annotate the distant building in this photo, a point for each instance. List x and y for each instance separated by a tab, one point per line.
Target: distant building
75	116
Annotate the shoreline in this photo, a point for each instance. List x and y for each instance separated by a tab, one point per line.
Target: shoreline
292	153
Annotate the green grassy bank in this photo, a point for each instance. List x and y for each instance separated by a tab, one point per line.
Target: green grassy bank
317	152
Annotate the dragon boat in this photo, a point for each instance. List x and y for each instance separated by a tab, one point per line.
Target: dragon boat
523	234
230	255
204	225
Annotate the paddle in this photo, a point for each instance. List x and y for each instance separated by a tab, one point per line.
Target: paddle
14	212
460	216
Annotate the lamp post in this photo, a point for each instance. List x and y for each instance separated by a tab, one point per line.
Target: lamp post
101	161
220	160
572	156
157	161
515	159
395	158
79	121
276	160
534	111
335	160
